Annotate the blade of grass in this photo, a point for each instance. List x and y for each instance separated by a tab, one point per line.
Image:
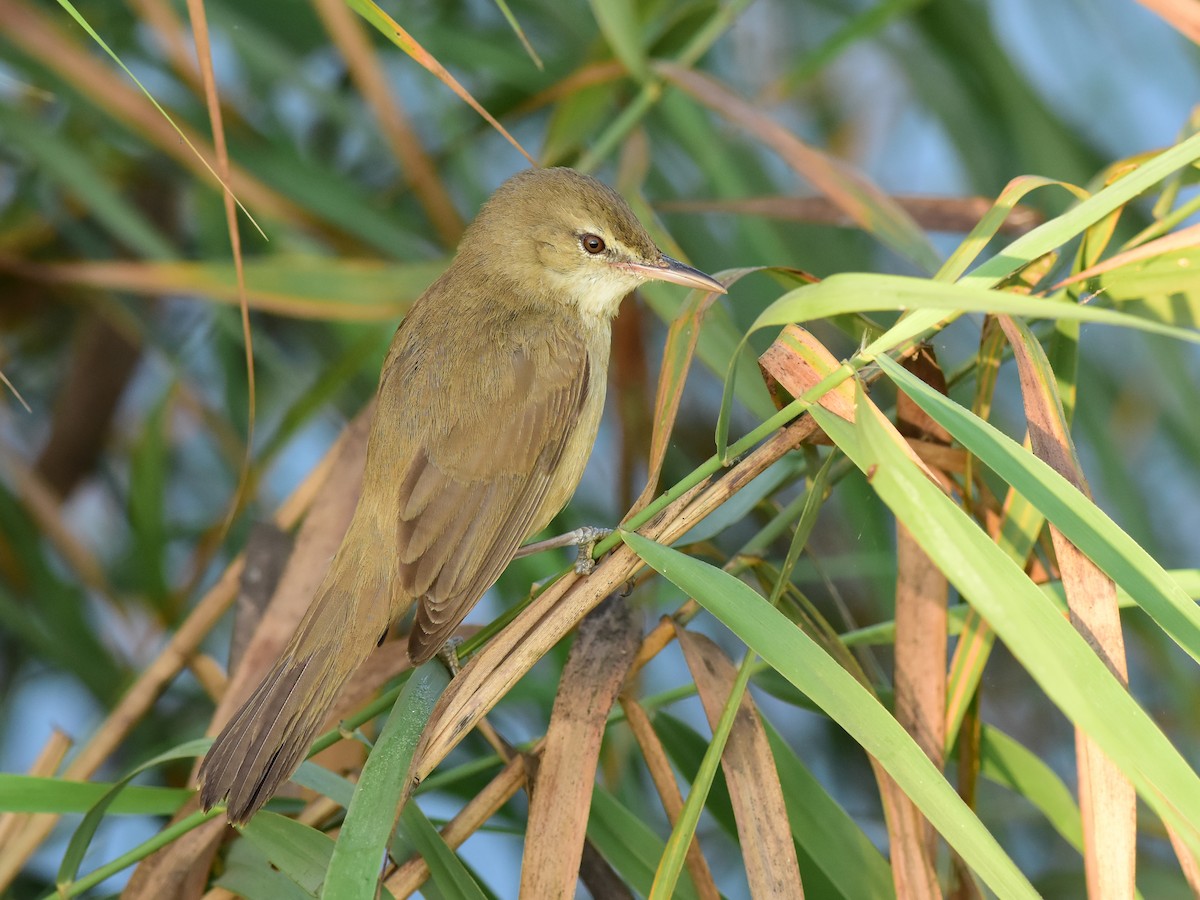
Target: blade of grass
391	29
1036	634
629	845
671	865
91	32
519	32
799	659
29	794
1080	520
354	868
298	851
447	871
1106	797
73	857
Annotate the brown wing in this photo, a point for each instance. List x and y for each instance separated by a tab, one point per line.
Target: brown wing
474	486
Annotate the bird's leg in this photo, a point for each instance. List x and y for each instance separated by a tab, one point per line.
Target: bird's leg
449	655
584	538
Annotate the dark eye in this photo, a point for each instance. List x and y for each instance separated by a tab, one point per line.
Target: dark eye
592	243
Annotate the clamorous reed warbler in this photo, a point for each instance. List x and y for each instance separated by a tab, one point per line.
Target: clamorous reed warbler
489	402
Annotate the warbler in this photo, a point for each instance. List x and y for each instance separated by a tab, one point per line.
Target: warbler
489	402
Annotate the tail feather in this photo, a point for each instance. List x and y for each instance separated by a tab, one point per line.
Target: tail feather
268	738
266	741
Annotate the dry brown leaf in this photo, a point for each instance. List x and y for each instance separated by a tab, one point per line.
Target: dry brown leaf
913	877
175	870
663	777
1182	15
921	640
797	362
1184	239
660	636
566	775
764	832
210	674
1107	800
950	214
1187	862
153	680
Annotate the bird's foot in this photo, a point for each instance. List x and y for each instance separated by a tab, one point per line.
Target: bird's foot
448	654
586	539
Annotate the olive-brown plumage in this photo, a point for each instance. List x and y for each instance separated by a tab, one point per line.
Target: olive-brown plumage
489	403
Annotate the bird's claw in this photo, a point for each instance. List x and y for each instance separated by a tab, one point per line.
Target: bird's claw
586	539
448	654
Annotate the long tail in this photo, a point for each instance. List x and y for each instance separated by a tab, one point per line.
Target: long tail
268	738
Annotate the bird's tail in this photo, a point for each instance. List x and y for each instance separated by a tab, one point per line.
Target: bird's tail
268	738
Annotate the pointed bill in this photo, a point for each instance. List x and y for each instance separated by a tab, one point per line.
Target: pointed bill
672	270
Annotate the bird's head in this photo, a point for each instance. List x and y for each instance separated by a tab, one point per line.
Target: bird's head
561	235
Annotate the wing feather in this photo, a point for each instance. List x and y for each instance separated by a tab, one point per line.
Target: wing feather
474	488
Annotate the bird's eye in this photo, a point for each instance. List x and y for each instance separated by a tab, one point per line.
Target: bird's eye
592	243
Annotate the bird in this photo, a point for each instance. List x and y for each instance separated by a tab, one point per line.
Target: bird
489	402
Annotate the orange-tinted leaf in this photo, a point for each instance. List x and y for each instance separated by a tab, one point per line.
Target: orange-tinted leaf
562	794
765	835
391	29
1107	798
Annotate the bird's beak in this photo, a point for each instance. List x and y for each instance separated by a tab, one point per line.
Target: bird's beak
672	270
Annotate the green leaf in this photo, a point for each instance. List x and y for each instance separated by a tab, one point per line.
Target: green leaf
619	24
30	794
354	867
863	292
249	874
73	857
1034	630
799	659
831	839
1056	232
147	505
299	851
933	303
1008	763
1079	519
445	868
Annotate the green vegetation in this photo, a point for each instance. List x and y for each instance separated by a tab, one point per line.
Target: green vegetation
898	514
